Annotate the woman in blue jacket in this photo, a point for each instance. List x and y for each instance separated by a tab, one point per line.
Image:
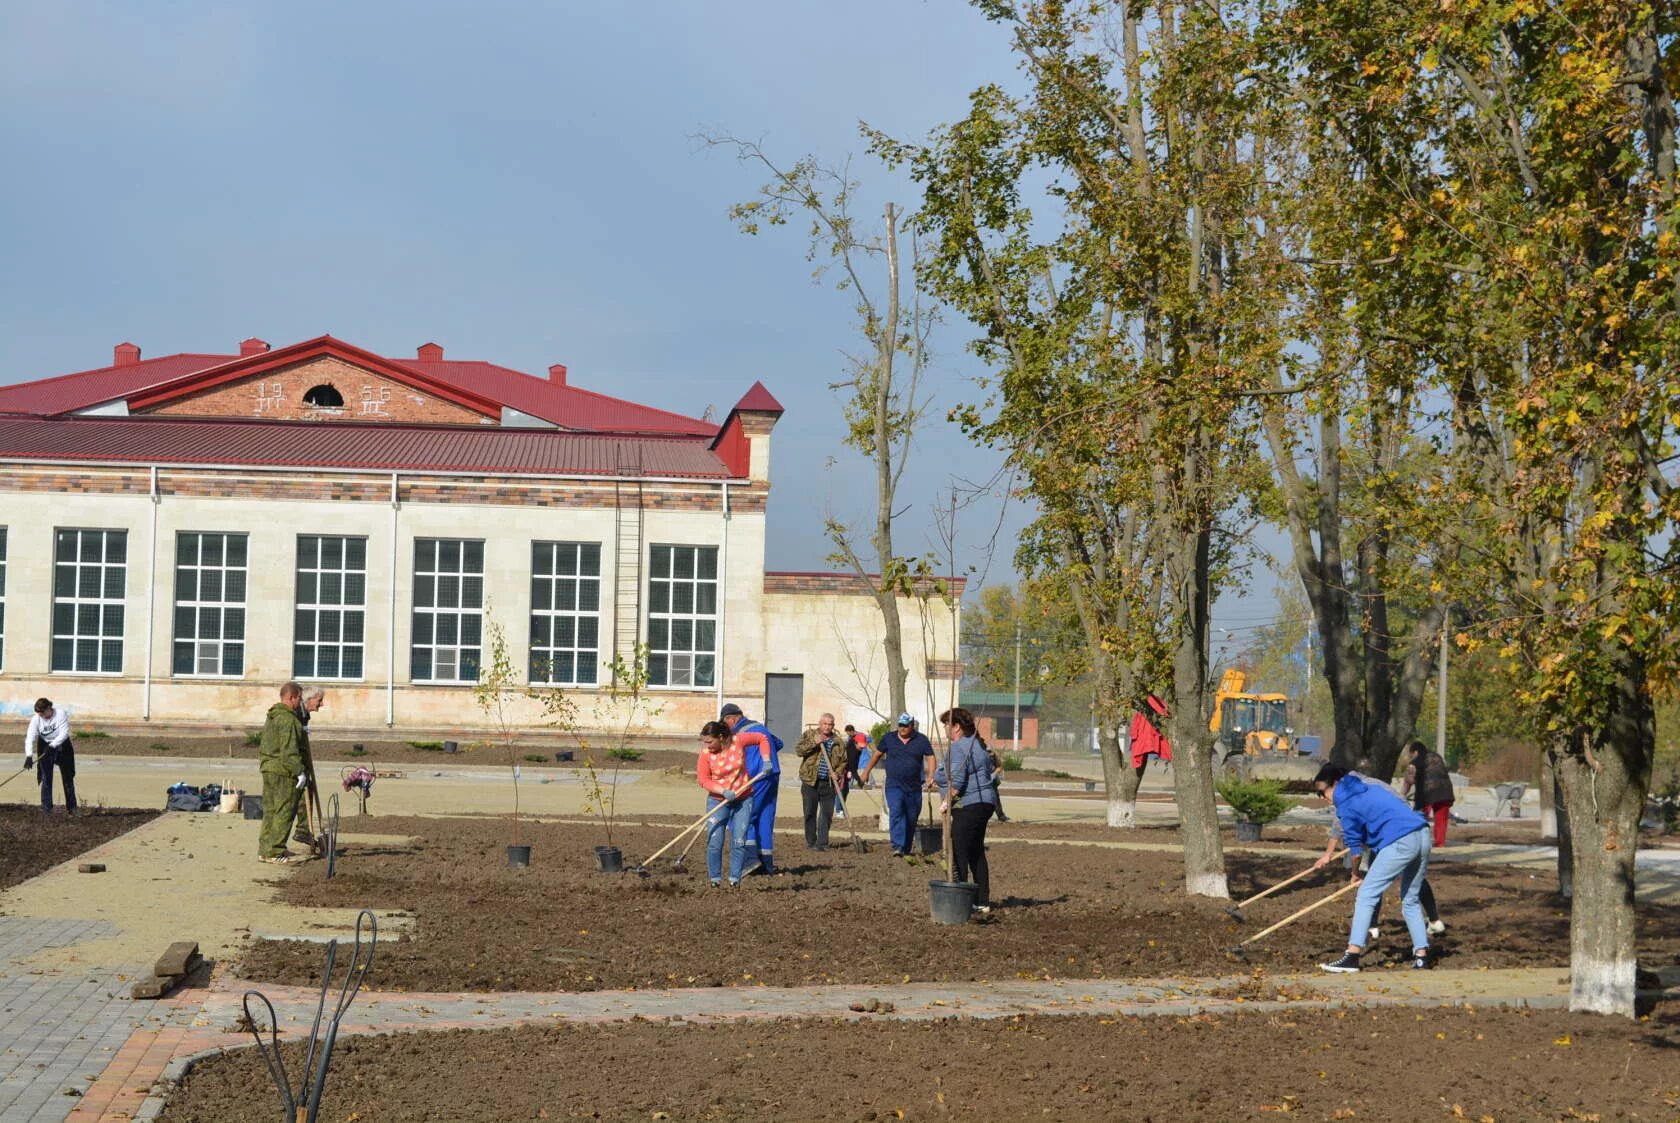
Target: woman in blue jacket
970	797
1375	819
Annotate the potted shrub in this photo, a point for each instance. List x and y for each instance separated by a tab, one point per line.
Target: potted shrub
1254	803
623	712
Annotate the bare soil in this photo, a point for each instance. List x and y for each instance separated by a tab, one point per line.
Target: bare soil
470	753
32	843
1375	1066
1065	911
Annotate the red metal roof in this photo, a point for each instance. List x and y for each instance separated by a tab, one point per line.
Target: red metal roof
759	399
348	444
570	406
567	406
69	392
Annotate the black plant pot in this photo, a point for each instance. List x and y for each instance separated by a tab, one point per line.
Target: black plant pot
564	757
952	901
1090	785
450	746
930	840
519	855
611	859
251	806
1247	831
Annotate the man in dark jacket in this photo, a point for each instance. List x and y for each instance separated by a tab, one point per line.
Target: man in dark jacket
1433	795
280	756
908	758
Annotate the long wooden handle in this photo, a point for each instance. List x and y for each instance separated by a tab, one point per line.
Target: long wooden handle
697	824
1290	881
1299	913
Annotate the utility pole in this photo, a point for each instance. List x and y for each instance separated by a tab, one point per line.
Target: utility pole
1015	733
1441	694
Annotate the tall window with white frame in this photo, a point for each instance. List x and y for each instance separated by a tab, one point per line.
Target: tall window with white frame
565	613
210	572
328	620
682	616
90	582
448	625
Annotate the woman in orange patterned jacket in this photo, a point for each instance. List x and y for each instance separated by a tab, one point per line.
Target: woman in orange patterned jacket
721	771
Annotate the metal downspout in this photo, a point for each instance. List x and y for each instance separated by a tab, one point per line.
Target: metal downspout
723	592
391	622
151	597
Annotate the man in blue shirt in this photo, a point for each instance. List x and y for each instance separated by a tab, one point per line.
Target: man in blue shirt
909	761
1375	819
761	831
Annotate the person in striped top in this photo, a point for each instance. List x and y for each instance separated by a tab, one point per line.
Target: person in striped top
721	772
822	761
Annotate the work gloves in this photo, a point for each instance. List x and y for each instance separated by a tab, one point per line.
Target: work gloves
29	762
302	780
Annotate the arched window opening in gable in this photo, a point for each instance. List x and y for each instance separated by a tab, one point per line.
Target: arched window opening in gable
324	396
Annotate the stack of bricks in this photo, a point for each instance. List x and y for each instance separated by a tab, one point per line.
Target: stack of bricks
178	961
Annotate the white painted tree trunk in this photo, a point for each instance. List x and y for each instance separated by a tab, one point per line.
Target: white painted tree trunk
1122	812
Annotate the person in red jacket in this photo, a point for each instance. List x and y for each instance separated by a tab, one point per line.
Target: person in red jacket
721	772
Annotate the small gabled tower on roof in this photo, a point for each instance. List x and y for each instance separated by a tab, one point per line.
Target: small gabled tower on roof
743	441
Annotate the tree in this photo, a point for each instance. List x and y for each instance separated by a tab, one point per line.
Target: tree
883	410
496	693
1544	208
1130	322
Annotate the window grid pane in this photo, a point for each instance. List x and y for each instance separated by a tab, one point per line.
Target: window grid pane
565	595
209	604
331	595
448	610
682	616
90	575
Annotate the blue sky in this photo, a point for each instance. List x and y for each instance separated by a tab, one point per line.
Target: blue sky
517	181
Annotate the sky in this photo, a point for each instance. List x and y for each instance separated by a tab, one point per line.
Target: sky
518	182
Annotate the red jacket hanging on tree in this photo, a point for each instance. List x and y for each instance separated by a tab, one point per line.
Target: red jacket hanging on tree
1146	736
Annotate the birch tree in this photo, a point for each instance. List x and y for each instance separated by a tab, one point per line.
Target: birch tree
884	378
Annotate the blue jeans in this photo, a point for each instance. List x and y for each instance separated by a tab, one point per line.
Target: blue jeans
1406	859
735	820
904	805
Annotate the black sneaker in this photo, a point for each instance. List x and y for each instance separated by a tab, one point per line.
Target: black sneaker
1421	963
1348	964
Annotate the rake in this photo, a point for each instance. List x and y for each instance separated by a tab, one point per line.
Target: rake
695	826
1235	910
1292	917
859	845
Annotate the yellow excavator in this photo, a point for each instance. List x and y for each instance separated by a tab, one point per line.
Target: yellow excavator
1253	735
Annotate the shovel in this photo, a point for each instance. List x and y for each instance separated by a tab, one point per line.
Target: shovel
1294	916
858	844
1236	910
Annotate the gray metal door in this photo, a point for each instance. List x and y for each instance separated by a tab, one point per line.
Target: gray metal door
784	706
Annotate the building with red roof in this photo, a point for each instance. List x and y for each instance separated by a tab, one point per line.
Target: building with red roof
187	532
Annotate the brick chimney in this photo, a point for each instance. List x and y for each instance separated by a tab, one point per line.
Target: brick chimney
252	346
557	374
125	355
429	353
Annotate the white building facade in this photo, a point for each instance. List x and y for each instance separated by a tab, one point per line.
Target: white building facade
182	535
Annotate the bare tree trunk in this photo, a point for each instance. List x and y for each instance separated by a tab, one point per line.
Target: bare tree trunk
885	478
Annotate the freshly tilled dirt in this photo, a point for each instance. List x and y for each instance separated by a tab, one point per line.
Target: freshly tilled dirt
32	843
1371	1066
1063	911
